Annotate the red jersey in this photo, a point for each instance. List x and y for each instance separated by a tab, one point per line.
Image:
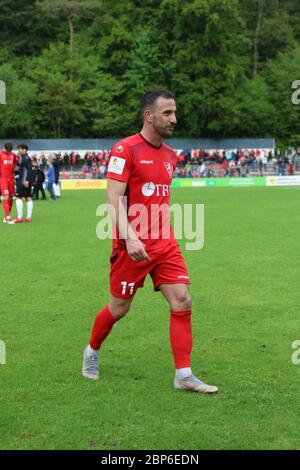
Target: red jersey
148	172
7	164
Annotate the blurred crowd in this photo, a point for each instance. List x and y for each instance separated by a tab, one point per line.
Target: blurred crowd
196	163
73	164
220	163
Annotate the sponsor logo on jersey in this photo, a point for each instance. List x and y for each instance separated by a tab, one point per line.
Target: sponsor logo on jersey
150	189
116	165
169	168
182	277
146	162
120	148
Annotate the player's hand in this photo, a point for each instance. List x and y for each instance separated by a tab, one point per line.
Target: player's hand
26	184
136	250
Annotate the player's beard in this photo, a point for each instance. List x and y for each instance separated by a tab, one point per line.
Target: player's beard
163	131
169	130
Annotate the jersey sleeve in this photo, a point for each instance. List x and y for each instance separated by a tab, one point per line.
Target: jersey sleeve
120	163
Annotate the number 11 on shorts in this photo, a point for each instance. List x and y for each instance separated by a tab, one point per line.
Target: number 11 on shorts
124	287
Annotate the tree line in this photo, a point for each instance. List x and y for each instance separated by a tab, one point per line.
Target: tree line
76	68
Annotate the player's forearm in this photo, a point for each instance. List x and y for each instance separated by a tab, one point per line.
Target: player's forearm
118	213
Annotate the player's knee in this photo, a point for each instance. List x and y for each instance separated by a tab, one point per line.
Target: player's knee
182	302
119	309
119	312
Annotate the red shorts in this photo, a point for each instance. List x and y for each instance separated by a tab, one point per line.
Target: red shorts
7	187
165	267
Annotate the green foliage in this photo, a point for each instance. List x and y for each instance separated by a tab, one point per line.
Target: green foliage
255	110
90	62
279	75
145	71
69	10
210	65
17	115
271	30
58	96
102	106
23	31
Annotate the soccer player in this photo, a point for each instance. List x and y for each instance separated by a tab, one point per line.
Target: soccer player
8	161
24	185
141	167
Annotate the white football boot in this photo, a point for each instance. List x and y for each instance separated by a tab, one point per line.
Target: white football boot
192	384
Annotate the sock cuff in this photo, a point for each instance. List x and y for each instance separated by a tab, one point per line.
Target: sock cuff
113	319
182	313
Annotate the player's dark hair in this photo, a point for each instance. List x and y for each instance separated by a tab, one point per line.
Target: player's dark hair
23	146
8	146
149	99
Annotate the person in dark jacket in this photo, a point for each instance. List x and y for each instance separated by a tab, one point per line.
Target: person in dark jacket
23	181
38	178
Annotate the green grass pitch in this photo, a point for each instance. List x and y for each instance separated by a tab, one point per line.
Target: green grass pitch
245	290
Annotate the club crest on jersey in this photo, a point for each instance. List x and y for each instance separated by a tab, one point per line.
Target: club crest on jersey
120	148
169	168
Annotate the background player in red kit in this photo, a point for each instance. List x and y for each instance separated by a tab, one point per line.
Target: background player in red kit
141	168
7	165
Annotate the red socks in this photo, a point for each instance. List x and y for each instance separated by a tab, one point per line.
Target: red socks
181	338
180	334
6	207
103	324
